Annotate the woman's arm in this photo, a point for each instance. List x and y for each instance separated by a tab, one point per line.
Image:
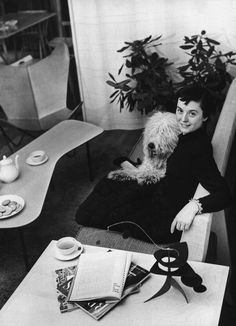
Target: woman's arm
184	218
208	175
210	178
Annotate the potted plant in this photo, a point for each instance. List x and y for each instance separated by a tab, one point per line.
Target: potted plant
207	66
147	86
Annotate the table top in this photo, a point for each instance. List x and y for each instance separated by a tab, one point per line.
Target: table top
30	184
25	19
35	303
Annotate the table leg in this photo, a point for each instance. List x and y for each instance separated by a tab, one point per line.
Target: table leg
22	240
89	162
4	52
15	48
42	30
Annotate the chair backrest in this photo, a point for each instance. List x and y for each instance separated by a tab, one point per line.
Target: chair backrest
16	97
33	94
49	78
198	235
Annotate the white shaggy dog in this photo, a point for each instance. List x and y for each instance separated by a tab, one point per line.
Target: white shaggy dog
160	138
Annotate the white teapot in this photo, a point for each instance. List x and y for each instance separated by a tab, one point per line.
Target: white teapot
9	170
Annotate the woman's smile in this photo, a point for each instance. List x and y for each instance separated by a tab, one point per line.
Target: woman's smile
189	116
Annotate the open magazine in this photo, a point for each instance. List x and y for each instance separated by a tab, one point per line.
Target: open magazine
100	275
95	308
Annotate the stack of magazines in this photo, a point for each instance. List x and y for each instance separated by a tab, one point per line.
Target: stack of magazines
98	282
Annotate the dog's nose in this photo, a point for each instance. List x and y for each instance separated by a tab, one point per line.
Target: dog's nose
151	146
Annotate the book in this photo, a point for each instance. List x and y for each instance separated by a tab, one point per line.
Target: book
96	308
100	276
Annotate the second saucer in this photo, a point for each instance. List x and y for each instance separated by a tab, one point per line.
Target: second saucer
37	158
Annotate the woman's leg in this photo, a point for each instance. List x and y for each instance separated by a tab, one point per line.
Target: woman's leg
113	201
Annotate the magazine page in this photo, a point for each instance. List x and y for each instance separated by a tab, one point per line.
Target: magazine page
96	308
64	278
100	276
136	276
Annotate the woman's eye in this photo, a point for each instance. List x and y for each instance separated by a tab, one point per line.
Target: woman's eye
192	114
179	110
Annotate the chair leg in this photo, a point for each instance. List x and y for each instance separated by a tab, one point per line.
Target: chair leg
10	141
91	178
72	90
7	139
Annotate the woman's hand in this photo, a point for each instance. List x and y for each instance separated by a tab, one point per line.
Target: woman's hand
184	218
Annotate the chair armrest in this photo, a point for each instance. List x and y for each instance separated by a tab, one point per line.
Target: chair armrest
137	150
197	237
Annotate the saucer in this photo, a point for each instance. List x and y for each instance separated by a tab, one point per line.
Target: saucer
71	256
14	200
31	162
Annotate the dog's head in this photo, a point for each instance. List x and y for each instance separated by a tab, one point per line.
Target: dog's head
160	136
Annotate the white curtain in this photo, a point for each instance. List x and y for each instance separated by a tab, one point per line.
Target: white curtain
100	28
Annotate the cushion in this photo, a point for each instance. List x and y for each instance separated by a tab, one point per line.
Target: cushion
111	239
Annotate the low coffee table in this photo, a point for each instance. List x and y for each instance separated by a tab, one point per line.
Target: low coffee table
35	302
33	181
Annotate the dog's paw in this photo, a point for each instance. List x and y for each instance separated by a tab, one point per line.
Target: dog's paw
119	175
115	174
111	175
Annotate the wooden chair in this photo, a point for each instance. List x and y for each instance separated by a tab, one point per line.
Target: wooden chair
197	237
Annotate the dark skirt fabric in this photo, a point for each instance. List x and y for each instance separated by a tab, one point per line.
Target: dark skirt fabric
114	201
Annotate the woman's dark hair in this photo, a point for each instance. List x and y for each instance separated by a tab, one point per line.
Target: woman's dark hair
198	94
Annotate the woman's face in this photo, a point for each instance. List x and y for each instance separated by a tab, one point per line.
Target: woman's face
189	116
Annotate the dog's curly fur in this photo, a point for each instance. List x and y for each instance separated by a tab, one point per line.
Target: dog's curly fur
160	138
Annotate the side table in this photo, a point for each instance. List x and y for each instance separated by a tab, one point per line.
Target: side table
35	302
30	185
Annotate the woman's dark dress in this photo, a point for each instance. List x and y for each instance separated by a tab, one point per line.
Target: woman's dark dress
155	206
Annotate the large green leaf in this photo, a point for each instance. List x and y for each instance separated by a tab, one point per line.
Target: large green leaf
110	83
123	49
119	71
183	68
210	40
113	100
113	94
157	38
112	77
147	39
210	51
186	47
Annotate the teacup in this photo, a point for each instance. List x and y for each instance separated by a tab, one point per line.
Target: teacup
67	245
37	156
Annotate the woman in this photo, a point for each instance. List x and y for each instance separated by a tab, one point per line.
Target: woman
166	208
194	158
